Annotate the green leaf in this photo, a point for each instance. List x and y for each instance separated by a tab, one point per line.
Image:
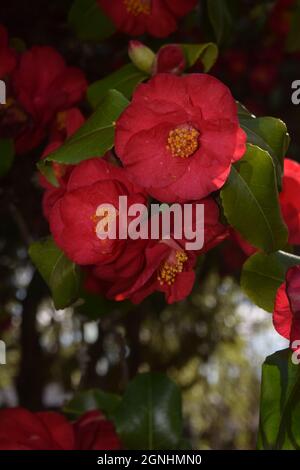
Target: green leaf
280	403
93	399
89	22
149	416
46	169
124	80
263	274
269	134
7	154
96	136
61	275
221	20
207	53
250	201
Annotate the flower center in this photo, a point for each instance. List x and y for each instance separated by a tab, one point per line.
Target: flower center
170	268
136	7
183	141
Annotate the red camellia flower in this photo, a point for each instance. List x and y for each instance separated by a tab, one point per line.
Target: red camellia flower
179	136
158	266
7	55
289	199
286	316
22	430
38	96
156	17
164	265
74	218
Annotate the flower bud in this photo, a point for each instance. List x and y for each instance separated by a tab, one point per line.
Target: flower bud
141	56
170	59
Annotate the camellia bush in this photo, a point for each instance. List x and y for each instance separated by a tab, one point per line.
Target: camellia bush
160	127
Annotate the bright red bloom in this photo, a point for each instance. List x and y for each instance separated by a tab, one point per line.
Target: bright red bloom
179	136
289	199
38	96
170	59
112	279
74	217
286	315
148	266
156	17
7	55
22	430
158	266
42	94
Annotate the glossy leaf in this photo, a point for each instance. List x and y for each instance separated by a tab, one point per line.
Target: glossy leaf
250	201
207	53
149	416
124	80
89	22
263	274
243	112
269	134
61	275
96	136
280	402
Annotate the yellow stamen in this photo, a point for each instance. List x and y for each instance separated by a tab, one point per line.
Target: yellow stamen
169	270
136	7
183	141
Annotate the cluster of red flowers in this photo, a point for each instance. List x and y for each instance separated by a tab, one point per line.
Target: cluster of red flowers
36	100
22	430
177	141
175	128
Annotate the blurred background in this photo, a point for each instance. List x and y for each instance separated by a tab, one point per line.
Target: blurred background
212	344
